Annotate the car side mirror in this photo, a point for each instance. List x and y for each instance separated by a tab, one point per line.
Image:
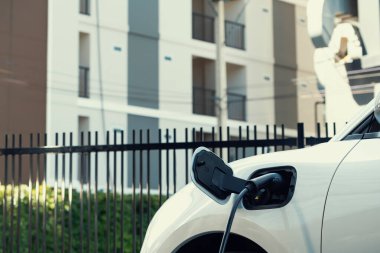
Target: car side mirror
377	108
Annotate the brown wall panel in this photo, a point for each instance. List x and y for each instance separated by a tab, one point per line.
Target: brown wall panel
23	53
23	58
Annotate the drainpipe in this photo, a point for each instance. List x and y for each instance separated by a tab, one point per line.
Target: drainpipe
221	78
323	102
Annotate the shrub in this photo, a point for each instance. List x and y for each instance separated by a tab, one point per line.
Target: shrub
52	227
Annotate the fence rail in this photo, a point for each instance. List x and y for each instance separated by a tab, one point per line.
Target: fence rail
235	34
204	29
236	106
204	100
46	208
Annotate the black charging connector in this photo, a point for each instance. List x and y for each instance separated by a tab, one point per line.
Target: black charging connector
216	179
252	187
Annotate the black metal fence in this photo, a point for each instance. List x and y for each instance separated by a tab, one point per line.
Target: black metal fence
56	196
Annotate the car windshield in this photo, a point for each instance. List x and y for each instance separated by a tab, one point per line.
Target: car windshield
355	120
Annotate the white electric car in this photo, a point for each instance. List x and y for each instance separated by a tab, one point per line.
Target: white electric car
329	202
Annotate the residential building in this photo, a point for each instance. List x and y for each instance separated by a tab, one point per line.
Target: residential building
138	64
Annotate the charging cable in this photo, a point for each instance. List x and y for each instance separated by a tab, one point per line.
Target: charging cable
252	186
230	219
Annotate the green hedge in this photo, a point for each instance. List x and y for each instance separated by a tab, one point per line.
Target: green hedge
62	210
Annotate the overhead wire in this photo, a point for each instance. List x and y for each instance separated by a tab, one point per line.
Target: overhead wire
141	91
165	93
255	85
170	92
100	67
355	90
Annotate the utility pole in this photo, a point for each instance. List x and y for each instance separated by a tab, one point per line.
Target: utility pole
221	77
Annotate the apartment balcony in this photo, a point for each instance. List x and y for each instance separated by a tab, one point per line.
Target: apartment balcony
203	101
84	7
234	34
236	106
84	82
204	29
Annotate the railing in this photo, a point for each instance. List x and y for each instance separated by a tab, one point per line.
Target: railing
203	101
84	7
44	208
235	34
203	27
236	106
84	82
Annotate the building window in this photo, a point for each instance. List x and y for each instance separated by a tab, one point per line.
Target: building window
84	63
84	7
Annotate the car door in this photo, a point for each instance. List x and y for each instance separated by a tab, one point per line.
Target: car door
351	221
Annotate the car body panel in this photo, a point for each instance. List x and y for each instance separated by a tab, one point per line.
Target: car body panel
295	227
351	219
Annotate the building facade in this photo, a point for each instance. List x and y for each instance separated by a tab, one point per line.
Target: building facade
92	65
100	62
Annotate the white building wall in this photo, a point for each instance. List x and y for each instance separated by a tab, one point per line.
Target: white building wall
62	69
175	78
108	64
107	27
176	51
107	31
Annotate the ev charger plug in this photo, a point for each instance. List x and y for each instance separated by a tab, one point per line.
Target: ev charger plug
215	178
252	187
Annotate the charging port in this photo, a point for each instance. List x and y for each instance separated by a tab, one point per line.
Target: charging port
272	197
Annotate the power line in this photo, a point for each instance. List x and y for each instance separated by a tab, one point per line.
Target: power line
100	66
354	90
167	93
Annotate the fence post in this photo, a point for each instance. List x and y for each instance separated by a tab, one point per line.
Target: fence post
300	135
